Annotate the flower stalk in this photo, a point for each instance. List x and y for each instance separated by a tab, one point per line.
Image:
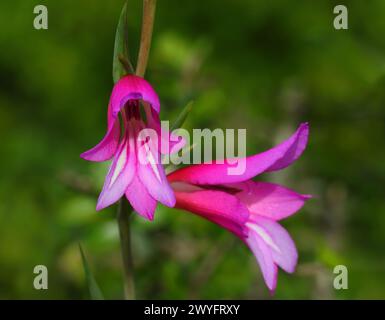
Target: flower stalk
149	7
124	209
124	223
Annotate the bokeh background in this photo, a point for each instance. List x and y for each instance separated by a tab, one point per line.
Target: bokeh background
261	65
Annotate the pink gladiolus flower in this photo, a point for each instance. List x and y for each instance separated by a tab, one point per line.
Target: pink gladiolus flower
251	210
136	171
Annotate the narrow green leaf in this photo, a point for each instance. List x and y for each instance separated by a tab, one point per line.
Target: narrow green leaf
182	116
93	288
121	63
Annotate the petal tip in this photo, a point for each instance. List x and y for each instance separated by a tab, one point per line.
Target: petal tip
102	204
86	156
273	284
292	268
99	207
171	201
304	126
146	215
303	129
150	217
307	196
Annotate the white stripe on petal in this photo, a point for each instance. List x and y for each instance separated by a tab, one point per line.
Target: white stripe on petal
119	165
153	163
264	235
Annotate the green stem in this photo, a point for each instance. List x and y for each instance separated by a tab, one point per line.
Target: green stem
123	217
124	209
149	7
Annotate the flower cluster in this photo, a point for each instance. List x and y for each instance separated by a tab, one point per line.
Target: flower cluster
249	209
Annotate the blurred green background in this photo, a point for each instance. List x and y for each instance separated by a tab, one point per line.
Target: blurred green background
261	65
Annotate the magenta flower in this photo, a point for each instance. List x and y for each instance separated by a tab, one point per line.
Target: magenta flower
251	210
136	171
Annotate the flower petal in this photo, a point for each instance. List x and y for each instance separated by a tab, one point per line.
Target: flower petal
168	142
150	170
282	246
132	87
262	253
276	158
127	88
106	148
140	199
121	172
268	199
219	207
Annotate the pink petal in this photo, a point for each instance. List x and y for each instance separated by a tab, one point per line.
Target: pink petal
121	172
276	158
140	199
168	143
219	207
268	199
106	148
132	87
151	172
158	188
127	88
278	240
288	151
265	260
